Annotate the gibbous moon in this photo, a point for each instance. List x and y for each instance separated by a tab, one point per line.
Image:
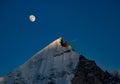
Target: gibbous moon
32	18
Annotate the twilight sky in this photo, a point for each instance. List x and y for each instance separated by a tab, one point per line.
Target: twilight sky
92	27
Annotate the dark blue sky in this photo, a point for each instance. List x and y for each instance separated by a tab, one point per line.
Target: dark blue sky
92	27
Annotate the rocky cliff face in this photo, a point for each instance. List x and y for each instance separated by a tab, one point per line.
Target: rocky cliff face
58	63
87	72
116	73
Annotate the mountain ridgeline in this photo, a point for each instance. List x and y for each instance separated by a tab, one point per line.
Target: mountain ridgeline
58	63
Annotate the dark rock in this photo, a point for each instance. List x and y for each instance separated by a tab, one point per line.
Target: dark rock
87	72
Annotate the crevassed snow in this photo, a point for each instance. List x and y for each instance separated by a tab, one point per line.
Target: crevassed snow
54	64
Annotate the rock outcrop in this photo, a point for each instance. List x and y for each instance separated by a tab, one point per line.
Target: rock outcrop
87	72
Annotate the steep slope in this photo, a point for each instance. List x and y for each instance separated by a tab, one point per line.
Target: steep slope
58	63
52	65
87	72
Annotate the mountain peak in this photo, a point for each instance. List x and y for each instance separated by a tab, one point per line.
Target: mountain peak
58	63
59	42
54	64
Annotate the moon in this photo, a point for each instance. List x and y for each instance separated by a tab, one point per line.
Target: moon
32	18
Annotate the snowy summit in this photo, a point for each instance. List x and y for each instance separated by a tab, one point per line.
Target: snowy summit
58	63
52	65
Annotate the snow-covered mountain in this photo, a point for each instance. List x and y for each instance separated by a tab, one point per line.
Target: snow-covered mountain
54	64
58	63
